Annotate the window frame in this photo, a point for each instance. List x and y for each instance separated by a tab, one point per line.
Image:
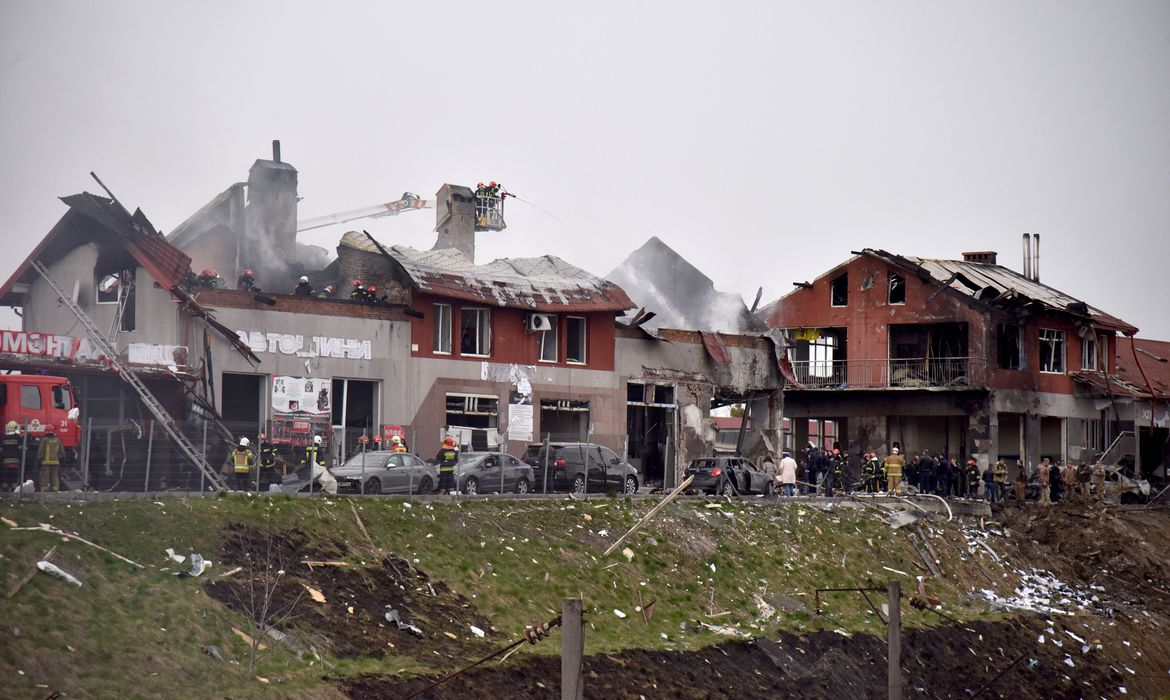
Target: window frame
843	280
483	330
891	277
24	394
1089	343
436	331
1058	340
543	341
584	340
1019	350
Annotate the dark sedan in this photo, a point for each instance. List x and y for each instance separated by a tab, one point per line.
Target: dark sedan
484	472
729	475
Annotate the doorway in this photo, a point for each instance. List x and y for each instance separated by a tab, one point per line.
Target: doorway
243	403
355	404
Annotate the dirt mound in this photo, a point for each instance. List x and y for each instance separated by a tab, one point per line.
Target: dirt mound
357	597
940	662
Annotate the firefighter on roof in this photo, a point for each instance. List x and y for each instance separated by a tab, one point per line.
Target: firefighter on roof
247	281
303	288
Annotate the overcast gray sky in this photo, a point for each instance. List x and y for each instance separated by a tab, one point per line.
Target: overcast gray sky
763	141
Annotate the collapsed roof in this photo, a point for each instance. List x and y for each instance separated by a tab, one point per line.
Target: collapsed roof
662	281
1131	377
545	284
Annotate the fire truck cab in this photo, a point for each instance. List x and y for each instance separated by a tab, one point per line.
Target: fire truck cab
37	402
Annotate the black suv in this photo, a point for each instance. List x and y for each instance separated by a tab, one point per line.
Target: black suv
580	467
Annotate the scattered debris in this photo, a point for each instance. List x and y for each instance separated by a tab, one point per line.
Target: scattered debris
213	651
248	639
31	573
393	616
198	566
54	570
620	615
45	527
477	631
177	558
725	630
315	594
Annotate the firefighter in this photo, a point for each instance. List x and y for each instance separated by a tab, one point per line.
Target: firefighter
49	453
999	472
973	477
239	464
447	458
268	456
315	459
1098	475
209	278
10	456
326	293
303	288
396	444
893	465
376	443
247	281
833	478
870	471
358	293
372	295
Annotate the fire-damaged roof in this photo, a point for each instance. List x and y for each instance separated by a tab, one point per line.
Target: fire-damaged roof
546	283
1130	379
997	286
94	218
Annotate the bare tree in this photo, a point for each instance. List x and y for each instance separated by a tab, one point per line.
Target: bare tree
267	598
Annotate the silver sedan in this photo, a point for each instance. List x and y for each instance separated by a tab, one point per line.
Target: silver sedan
385	472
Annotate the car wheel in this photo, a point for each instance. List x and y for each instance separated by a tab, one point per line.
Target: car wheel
769	489
631	485
578	484
373	485
522	486
471	486
425	485
728	488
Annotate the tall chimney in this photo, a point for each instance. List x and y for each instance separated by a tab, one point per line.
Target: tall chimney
1027	256
275	150
455	219
270	220
1036	257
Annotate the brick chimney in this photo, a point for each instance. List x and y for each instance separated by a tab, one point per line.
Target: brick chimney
270	218
455	219
987	257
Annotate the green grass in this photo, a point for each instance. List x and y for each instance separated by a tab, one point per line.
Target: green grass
139	633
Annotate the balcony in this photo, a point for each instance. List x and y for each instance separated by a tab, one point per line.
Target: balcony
899	373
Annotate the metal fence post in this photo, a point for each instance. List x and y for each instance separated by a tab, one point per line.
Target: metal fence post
23	458
203	473
547	436
895	641
85	454
149	454
585	466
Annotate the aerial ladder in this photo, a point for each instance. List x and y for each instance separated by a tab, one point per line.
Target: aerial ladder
197	457
408	202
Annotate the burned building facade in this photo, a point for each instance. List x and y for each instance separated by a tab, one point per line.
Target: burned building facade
962	356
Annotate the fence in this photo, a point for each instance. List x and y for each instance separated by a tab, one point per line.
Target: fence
913	372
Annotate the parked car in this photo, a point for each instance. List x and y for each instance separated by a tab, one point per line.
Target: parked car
484	472
728	475
385	472
580	467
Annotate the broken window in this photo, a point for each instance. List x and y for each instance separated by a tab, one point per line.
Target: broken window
897	289
663	395
1007	346
472	410
839	291
1051	351
475	333
547	341
108	287
442	330
820	356
575	345
1089	352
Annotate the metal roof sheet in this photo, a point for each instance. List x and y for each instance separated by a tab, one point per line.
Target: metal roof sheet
546	283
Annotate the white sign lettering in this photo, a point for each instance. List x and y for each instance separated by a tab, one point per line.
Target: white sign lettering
311	346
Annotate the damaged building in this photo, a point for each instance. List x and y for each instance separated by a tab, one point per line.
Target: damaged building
500	354
962	356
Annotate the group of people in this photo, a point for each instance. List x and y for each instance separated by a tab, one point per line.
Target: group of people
365	294
245	474
826	472
50	452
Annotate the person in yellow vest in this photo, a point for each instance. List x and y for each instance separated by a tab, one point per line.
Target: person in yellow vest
239	464
10	454
893	466
1000	474
49	455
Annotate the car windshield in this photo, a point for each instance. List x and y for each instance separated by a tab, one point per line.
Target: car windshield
368	459
702	464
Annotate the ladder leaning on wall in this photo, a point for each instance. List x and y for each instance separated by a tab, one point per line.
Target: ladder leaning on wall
160	414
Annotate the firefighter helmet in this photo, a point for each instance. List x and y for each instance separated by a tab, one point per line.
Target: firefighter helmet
316	439
244	442
248	272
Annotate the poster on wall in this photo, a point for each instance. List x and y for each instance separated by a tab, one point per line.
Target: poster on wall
301	409
519	416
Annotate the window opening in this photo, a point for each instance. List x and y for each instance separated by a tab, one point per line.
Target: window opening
442	330
839	291
1051	351
1009	353
475	337
897	293
1089	352
547	341
576	335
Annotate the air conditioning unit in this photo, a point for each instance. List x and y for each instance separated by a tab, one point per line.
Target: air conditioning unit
538	322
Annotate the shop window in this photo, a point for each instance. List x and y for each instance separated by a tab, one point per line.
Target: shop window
1007	346
442	329
575	346
1051	351
475	332
839	291
897	293
547	340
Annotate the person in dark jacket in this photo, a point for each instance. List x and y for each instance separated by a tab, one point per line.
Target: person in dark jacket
989	486
925	473
942	475
973	478
10	454
447	457
303	288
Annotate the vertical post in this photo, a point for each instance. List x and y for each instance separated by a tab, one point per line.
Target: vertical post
256	463
85	454
667	469
503	463
895	641
149	454
572	650
23	457
362	485
585	466
547	436
202	473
